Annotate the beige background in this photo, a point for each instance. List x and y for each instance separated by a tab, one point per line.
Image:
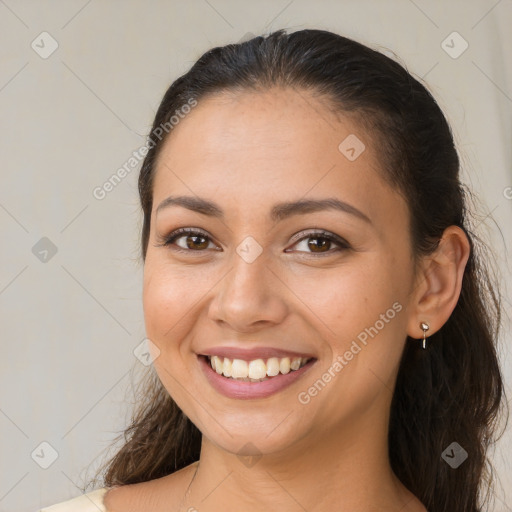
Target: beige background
69	325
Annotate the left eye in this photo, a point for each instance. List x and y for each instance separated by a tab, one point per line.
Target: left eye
319	243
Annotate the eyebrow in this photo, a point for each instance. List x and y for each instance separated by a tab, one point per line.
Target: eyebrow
278	212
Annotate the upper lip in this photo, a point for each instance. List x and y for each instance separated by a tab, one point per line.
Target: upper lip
249	354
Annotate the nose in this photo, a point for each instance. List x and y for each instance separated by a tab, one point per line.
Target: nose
249	297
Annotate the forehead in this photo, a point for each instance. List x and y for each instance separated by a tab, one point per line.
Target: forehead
258	126
253	148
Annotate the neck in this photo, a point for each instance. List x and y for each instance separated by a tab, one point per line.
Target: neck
349	472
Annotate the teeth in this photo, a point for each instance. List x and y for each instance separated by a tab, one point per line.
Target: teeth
295	364
227	367
272	366
217	361
256	370
239	369
284	365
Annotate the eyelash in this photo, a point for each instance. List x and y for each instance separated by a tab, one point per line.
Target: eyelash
181	232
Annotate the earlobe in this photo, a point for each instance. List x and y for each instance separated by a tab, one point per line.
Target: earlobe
440	283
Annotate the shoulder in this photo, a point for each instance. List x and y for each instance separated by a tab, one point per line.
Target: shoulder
89	502
159	494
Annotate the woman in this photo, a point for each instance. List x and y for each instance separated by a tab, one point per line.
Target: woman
322	330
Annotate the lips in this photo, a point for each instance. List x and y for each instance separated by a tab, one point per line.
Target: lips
247	354
236	389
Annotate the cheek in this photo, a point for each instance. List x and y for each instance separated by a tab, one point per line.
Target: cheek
168	306
168	302
358	311
359	303
374	317
171	302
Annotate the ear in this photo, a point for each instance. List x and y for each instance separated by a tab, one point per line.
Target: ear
438	284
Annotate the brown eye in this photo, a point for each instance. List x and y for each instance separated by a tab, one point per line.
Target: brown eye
188	240
196	242
319	246
321	243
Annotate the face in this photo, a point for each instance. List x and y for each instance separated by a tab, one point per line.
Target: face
255	281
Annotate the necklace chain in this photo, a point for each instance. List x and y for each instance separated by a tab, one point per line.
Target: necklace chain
187	491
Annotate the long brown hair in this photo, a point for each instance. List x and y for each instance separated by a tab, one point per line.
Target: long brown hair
451	392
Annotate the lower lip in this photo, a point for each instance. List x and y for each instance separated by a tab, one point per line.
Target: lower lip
246	390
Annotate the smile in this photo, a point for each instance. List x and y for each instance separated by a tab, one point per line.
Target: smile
257	370
257	378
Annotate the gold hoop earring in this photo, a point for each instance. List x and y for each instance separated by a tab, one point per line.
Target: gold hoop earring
425	327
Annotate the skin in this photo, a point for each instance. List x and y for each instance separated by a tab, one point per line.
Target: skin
247	152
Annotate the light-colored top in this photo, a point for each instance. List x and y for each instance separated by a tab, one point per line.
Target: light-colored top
89	502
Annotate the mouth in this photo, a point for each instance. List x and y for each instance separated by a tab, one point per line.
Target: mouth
257	370
255	378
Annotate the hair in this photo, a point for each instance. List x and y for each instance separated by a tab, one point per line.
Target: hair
453	391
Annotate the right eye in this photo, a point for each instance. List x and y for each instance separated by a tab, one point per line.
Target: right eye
193	240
